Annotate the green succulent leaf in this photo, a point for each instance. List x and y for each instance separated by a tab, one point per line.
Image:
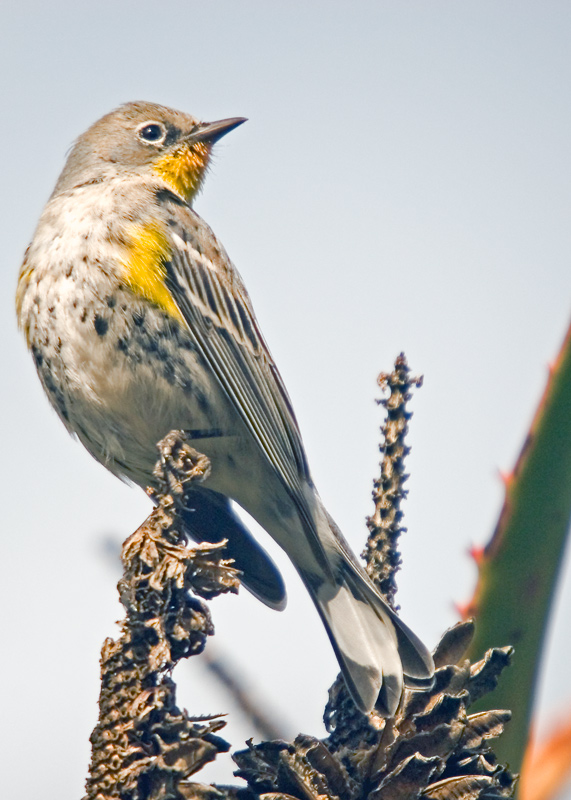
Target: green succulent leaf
519	567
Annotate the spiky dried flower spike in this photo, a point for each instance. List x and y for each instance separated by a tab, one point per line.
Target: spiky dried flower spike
432	749
144	747
381	553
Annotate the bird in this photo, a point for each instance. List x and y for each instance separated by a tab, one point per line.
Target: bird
139	323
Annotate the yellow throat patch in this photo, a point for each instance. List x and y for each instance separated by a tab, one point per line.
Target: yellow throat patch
148	252
184	168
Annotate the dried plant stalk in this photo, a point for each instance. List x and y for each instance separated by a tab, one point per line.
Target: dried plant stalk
381	553
144	746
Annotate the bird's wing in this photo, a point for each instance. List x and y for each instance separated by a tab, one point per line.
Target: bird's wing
216	308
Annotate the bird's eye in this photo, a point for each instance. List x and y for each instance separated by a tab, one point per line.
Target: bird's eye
152	132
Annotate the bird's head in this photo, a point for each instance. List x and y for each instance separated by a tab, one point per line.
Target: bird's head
138	137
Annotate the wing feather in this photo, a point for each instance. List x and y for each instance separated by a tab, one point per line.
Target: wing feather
219	316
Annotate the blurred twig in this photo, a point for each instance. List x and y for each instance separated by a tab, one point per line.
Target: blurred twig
252	707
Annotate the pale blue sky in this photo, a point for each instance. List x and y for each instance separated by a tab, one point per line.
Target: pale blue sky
403	183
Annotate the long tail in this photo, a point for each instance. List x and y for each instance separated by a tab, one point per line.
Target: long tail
376	651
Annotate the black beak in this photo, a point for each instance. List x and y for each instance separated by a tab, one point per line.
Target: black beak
212	131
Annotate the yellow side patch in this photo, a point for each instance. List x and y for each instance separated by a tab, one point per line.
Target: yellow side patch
148	252
23	283
184	168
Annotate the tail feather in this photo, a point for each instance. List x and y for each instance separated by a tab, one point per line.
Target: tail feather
364	643
416	660
376	651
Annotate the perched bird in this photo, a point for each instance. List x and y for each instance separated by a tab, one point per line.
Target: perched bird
139	323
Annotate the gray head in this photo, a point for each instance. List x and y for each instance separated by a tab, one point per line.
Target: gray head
144	137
